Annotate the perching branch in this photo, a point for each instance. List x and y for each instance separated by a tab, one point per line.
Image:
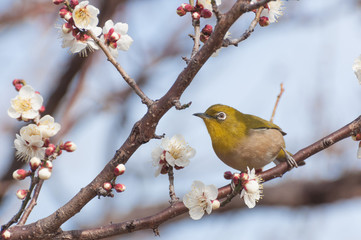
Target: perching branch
179	208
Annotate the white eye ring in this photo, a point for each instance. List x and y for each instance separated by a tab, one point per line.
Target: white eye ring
221	116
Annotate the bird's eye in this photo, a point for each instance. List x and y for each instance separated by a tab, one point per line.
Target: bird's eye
221	116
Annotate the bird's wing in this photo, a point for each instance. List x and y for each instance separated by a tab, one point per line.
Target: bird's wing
258	123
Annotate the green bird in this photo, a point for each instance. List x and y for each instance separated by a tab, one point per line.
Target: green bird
243	140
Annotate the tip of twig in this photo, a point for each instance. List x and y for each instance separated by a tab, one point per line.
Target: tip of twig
179	106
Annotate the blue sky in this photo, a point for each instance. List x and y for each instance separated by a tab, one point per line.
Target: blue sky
310	50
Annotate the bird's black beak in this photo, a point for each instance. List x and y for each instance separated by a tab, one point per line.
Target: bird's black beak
201	115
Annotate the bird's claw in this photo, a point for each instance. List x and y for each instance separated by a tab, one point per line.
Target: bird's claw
290	160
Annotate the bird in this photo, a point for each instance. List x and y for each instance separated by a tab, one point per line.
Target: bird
244	141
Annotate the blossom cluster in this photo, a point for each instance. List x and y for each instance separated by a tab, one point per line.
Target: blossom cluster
108	186
251	186
202	8
172	152
33	144
271	12
81	18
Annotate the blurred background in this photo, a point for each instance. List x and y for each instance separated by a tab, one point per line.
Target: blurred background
310	50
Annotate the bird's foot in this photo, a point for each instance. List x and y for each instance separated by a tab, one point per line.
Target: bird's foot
290	160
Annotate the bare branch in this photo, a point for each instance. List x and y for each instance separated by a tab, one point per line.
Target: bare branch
147	101
173	197
277	101
32	203
196	37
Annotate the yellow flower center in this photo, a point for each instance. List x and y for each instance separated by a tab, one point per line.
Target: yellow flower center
22	105
202	201
83	16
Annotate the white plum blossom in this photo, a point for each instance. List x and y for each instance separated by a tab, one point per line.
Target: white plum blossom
173	152
273	10
199	199
115	37
85	16
26	105
359	151
252	188
29	143
356	67
79	42
207	4
48	127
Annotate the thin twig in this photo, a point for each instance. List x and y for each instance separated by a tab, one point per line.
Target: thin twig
277	101
147	101
230	196
227	42
196	37
173	197
180	106
16	217
32	203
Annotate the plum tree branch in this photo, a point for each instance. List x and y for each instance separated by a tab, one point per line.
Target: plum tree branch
178	208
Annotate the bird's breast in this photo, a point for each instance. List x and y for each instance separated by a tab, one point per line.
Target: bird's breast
257	149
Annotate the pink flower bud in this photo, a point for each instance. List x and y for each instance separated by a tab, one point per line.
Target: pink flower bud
264	21
119	170
73	3
34	163
236	177
113	45
119	187
44	173
203	38
20	174
65	13
48	164
21	193
50	150
196	16
18	87
42	109
6	234
180	11
207	30
107	186
187	7
215	204
114	36
69	146
57	2
357	137
244	177
205	13
16	81
67	27
228	175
